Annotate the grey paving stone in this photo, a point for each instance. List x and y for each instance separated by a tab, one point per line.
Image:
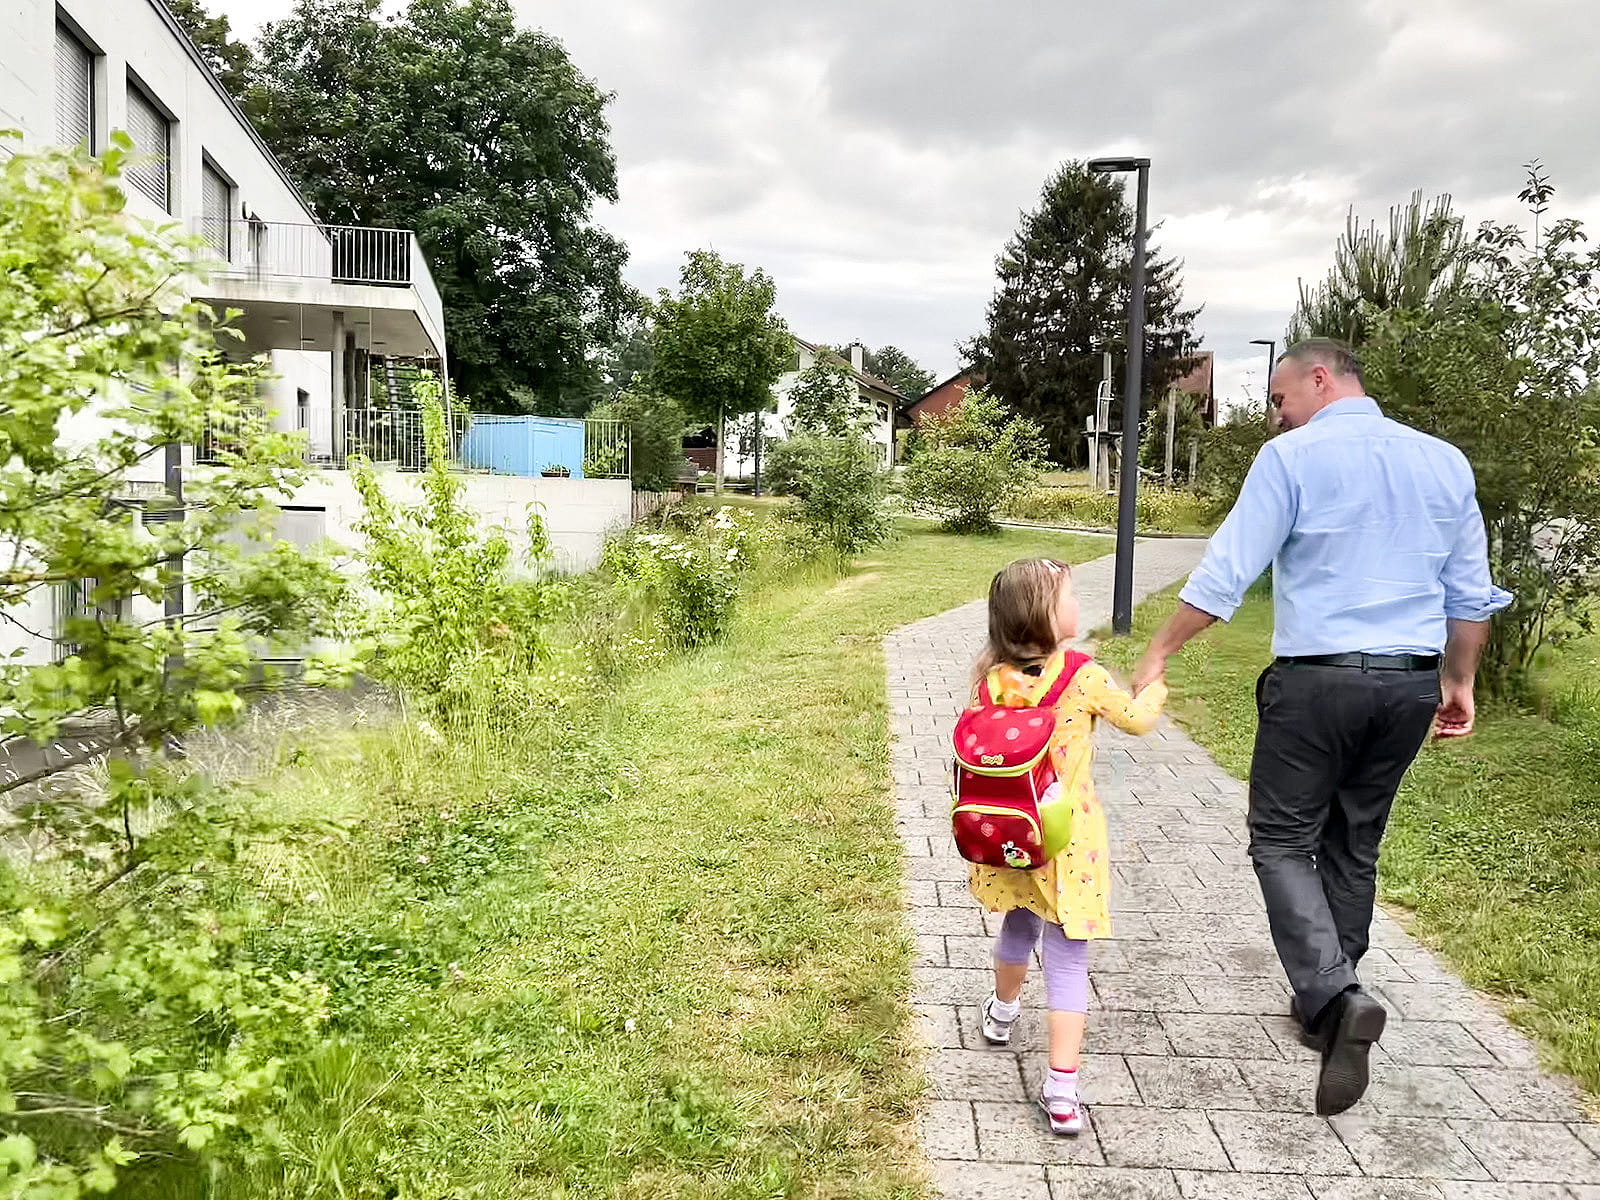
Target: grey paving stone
1529	1151
943	920
936	1025
1407	1147
1285	1034
1282	1143
1259	961
1437	1002
1232	1185
972	952
1453	1189
1154	957
1325	1188
1111	1183
975	1075
1526	1095
930	950
1588	1133
1257	997
948	1130
1114	1031
1281	1086
1021	1133
1174	1082
951	985
1199	856
1509	1047
1158	1137
1143	991
1102	1079
1218	1035
1434	1044
1408	1091
920	892
961	1180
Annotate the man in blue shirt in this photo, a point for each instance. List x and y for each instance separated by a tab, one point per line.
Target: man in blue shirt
1381	603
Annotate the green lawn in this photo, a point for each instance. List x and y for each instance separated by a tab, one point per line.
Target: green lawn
1494	845
656	953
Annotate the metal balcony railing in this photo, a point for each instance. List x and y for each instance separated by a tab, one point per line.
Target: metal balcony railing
224	435
394	437
337	253
607	450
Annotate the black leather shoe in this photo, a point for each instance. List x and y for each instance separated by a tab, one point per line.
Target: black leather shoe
1354	1024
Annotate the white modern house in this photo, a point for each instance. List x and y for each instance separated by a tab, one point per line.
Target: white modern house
878	398
343	314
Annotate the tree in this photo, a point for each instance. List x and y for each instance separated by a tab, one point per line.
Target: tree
1493	344
655	435
825	400
973	461
841	489
130	1017
898	369
719	345
230	61
1419	265
1063	299
489	143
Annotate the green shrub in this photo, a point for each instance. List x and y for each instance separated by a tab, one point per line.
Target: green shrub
1160	510
1226	453
655	431
841	489
972	462
687	573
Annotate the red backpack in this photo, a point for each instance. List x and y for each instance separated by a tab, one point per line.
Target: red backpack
1008	809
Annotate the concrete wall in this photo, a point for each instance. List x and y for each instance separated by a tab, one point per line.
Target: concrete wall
579	513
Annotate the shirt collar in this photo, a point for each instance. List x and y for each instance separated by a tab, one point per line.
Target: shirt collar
1350	406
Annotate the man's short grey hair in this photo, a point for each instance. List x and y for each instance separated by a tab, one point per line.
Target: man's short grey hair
1326	352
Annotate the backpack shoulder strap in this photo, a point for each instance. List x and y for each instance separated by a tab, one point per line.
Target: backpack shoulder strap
985	692
1070	663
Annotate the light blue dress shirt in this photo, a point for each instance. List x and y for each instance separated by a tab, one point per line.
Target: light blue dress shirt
1373	532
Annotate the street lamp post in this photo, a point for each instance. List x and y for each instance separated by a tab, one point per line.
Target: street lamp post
1133	386
1272	357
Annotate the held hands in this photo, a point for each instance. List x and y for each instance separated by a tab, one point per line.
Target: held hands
1152	668
1455	713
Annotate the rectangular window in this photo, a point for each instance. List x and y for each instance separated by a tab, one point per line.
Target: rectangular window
151	170
74	90
216	196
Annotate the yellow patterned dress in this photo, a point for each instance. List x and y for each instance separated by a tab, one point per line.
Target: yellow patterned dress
1074	890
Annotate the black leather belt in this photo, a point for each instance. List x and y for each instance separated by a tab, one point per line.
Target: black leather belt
1367	662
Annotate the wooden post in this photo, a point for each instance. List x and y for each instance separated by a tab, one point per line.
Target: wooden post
1194	462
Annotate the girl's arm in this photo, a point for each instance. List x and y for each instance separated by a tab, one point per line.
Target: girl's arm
1133	714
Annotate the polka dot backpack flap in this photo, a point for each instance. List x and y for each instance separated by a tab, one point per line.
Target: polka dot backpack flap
1008	809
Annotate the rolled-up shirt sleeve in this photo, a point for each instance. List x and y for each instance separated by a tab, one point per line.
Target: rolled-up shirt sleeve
1247	541
1469	593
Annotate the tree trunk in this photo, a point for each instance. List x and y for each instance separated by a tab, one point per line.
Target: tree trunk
761	419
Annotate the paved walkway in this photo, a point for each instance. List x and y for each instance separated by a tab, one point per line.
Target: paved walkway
1197	1086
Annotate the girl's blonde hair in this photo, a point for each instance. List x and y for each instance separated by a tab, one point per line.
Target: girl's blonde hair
1022	614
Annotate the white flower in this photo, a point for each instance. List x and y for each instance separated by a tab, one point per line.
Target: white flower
630	1025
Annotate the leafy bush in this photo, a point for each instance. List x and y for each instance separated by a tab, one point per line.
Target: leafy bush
1226	452
972	462
655	429
439	628
842	492
826	402
687	574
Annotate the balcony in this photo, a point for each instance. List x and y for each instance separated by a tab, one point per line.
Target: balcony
394	439
309	287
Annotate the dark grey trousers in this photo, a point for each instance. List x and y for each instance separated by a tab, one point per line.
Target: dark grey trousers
1332	746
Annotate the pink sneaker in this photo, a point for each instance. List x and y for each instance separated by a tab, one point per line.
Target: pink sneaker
1065	1112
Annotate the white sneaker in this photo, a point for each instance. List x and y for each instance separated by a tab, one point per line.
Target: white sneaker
1065	1112
995	1031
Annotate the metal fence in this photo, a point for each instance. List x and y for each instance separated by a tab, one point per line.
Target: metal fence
339	253
226	435
607	450
395	437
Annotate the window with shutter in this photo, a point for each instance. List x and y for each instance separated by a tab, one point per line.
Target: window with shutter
152	143
74	90
215	207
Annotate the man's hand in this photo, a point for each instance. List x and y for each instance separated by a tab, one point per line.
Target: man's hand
1152	668
1456	711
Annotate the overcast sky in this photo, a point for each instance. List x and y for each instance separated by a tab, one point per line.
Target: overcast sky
874	156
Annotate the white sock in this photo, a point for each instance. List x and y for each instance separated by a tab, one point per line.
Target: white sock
1000	1010
1063	1084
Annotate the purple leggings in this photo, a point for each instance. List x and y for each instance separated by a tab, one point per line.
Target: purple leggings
1066	960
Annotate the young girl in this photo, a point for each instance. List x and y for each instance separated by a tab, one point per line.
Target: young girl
1033	616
